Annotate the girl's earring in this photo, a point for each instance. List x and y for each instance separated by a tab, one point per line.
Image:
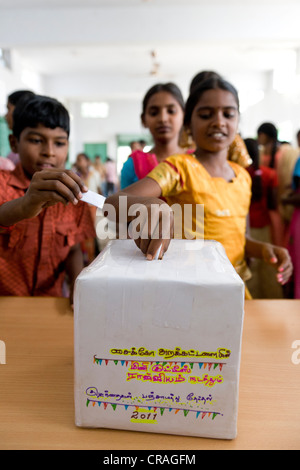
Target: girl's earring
185	139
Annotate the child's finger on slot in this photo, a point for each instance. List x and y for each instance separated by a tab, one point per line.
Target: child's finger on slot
154	250
144	245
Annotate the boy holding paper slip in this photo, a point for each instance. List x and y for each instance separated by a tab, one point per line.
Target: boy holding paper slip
42	220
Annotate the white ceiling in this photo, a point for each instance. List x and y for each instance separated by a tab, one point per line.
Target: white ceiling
12	4
115	38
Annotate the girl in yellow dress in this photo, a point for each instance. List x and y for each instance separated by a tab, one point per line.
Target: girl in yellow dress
207	177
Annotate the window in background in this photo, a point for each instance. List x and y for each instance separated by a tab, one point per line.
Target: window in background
93	149
4	142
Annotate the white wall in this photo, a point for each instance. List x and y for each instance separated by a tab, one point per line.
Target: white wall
282	110
281	107
18	78
123	118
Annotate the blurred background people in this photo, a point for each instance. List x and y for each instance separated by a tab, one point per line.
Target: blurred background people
99	167
17	97
111	177
294	232
135	145
91	178
282	158
88	173
262	284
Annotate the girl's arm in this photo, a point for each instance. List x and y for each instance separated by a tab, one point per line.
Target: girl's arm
146	187
275	255
143	203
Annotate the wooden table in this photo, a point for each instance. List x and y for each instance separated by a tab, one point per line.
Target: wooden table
36	383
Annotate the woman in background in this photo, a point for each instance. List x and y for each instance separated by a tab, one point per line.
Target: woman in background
294	233
282	157
162	114
92	180
20	96
262	284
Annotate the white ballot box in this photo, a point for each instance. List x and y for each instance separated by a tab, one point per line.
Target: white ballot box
158	343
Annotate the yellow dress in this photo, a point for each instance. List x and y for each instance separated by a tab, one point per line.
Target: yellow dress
184	180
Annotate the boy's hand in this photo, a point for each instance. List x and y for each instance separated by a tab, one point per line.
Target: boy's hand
48	187
278	257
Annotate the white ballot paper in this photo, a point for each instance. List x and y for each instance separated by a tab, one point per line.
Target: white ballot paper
158	343
93	198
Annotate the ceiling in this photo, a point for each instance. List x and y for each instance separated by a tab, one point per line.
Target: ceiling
12	4
138	40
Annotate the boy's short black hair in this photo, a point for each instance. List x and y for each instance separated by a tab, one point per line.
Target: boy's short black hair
16	96
40	110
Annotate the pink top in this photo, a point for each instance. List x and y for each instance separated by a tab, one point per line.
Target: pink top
111	172
6	164
143	163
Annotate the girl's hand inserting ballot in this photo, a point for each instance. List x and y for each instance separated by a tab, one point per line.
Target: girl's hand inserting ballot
153	228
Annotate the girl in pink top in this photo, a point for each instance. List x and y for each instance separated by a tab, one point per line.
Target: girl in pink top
162	114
